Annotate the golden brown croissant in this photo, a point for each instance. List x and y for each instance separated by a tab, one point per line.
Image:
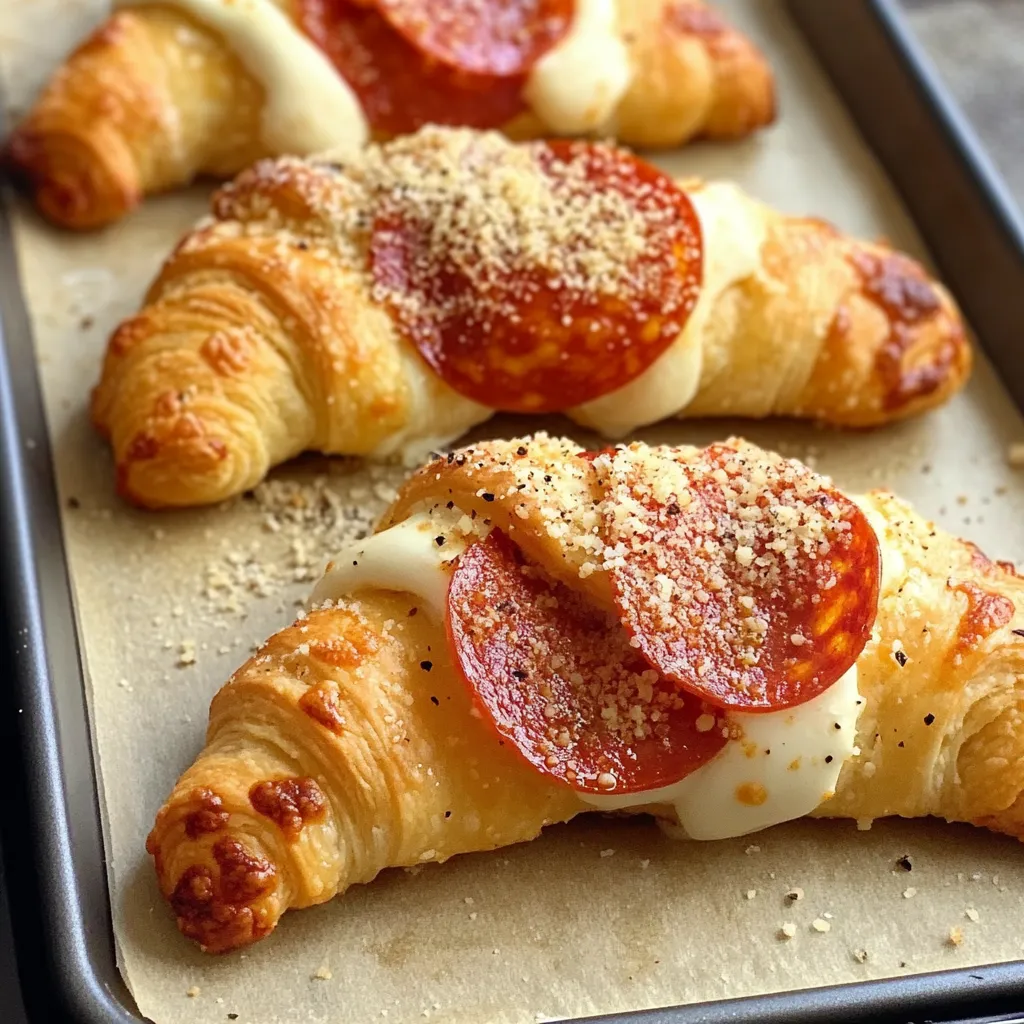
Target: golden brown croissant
268	332
352	741
165	91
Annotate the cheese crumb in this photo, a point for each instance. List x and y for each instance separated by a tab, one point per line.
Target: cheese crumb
787	931
751	893
819	924
909	894
193	991
972	915
955	937
323	973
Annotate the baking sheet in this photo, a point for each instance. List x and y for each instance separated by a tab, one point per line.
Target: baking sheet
169	604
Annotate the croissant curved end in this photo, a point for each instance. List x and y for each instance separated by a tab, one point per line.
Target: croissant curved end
226	897
73	177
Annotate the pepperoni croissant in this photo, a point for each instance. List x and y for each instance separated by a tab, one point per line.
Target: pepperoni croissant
166	90
388	304
715	636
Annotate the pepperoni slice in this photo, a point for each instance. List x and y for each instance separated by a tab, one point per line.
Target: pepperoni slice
743	577
559	680
500	38
541	276
399	87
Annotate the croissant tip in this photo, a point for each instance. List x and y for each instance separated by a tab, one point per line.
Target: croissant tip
227	903
69	181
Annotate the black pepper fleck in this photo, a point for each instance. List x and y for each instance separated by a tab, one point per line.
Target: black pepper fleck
929	718
412	612
519	674
1018	632
487	496
435	701
828	759
426	665
447	814
439	541
901	744
837	725
450	505
905	862
521	450
901	658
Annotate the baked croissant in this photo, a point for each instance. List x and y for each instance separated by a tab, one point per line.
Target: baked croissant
363	736
389	305
167	90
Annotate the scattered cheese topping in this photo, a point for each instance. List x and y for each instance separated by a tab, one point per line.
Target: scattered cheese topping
821	925
787	931
508	218
758	534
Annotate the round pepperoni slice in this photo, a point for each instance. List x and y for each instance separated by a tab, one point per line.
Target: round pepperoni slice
742	576
500	38
559	680
536	278
399	87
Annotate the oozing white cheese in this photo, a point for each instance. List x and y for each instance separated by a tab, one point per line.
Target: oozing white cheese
435	414
308	106
576	86
782	766
406	558
732	238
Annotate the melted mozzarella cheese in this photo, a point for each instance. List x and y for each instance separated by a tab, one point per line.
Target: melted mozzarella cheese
308	106
732	237
405	558
783	765
576	86
435	413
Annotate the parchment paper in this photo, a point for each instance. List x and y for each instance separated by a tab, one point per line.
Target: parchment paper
595	917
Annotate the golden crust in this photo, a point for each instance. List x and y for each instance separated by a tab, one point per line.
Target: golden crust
362	702
147	103
260	339
153	99
859	335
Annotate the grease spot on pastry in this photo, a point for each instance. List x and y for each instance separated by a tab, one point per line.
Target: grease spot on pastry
913	362
986	612
209	815
347	650
215	909
226	352
323	704
290	803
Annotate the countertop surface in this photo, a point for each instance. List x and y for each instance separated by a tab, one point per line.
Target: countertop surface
978	48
